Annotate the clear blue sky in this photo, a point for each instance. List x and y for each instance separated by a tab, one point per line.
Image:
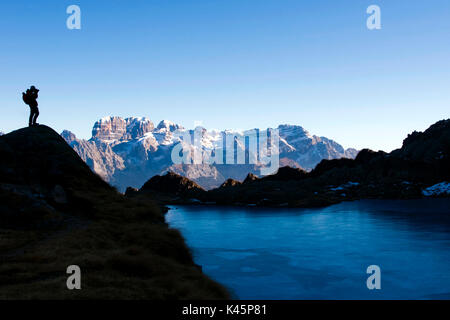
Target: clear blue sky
234	64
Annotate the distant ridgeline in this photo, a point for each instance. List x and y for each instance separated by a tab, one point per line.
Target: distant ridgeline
127	152
421	168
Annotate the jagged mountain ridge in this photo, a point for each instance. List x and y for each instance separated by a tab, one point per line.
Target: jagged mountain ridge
420	168
127	152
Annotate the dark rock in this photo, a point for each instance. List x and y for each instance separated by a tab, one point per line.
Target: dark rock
131	192
174	184
288	173
250	178
230	183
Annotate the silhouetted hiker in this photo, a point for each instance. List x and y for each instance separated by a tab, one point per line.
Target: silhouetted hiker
30	98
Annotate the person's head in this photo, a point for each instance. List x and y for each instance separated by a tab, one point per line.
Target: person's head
33	88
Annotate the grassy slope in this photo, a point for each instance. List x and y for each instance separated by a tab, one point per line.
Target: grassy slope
54	212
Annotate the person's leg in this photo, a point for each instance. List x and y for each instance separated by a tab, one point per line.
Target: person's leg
36	115
30	120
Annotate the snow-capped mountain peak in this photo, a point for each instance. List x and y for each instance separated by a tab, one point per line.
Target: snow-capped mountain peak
127	152
113	129
166	125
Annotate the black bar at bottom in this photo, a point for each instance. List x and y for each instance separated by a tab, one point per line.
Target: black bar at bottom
238	309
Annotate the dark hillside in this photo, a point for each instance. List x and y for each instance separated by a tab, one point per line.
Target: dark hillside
54	212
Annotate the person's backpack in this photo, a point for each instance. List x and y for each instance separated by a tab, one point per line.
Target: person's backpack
25	98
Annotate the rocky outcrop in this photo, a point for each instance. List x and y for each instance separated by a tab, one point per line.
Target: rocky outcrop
68	136
288	173
112	129
250	178
429	146
172	183
166	126
100	157
230	183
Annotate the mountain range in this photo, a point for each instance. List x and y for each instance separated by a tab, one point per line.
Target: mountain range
127	152
420	168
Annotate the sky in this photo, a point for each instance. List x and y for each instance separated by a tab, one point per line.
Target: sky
231	64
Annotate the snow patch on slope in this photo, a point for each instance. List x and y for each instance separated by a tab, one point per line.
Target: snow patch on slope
439	189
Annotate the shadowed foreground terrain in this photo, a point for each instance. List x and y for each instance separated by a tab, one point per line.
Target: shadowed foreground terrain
54	212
